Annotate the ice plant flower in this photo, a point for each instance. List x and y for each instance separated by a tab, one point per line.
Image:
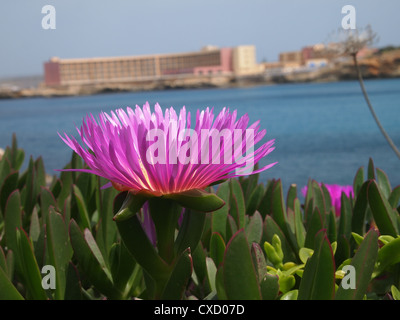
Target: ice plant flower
163	162
335	192
159	154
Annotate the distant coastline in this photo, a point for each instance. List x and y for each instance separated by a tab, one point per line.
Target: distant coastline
377	66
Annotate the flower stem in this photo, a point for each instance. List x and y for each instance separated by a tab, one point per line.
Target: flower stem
165	214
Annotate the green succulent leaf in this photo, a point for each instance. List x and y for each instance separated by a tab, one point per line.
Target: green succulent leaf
358	221
363	263
197	199
9	185
388	255
179	278
269	286
217	248
59	250
131	205
219	217
395	293
358	181
318	280
145	254
237	203
190	231
254	228
8	291
91	261
239	274
29	269
384	215
12	219
291	295
255	199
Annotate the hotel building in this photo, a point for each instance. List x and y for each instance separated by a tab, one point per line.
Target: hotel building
210	61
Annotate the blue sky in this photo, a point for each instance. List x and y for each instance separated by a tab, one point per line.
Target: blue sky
113	28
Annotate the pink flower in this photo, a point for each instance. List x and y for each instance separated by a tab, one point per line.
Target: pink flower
335	191
151	152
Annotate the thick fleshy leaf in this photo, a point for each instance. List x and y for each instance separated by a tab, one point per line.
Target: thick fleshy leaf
383	183
395	293
165	214
139	245
394	197
91	261
255	199
358	180
269	230
254	228
259	261
131	205
327	198
14	154
59	250
5	168
219	284
190	231
47	200
278	207
200	268
29	269
66	182
73	289
212	274
291	196
198	200
300	231
79	207
269	286
7	289
344	232
12	219
31	188
358	222
363	263
266	203
315	225
237	204
122	266
231	227
220	216
40	174
34	228
217	248
106	229
9	185
318	281
388	255
179	278
371	169
384	215
3	263
279	214
240	279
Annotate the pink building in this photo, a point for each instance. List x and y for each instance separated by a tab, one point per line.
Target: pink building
136	68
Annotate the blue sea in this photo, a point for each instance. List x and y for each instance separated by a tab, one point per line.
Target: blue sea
323	131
